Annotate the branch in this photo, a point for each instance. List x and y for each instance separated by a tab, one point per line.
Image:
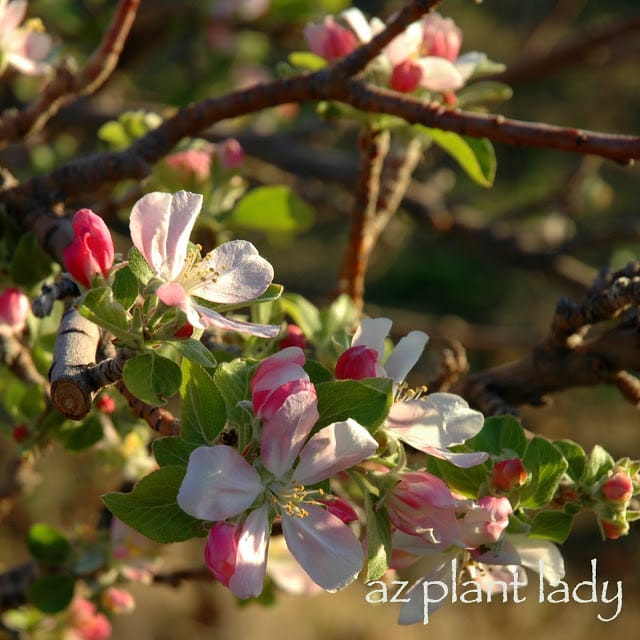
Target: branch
158	418
66	85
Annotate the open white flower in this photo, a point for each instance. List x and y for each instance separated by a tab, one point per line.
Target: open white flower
232	273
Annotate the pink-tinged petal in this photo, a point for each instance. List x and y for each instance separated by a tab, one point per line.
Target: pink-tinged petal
325	547
221	550
264	377
284	435
334	448
11	15
287	574
339	508
372	333
37	45
405	44
14	309
462	460
251	559
276	398
439	74
405	355
491	578
173	295
219	484
356	21
210	318
160	226
236	273
414	611
468	63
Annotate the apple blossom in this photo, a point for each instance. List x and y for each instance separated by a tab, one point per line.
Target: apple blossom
329	40
24	47
91	252
232	273
485	521
191	162
440	37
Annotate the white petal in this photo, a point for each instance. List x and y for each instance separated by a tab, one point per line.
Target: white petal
406	353
372	333
462	460
358	23
251	558
210	318
457	421
334	448
536	554
160	226
439	74
239	274
325	547
405	44
219	484
466	64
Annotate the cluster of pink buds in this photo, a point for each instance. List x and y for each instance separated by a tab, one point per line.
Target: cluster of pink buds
612	500
86	623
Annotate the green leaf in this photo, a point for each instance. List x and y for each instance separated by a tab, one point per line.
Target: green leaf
29	264
139	266
500	435
151	508
232	381
545	464
48	546
378	539
193	350
172	451
51	593
597	464
307	60
366	401
303	313
465	481
317	372
575	456
484	92
152	378
552	525
475	155
82	436
274	209
203	409
125	287
99	306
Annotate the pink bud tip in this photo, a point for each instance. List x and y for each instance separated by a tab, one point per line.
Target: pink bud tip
618	488
508	475
293	337
357	363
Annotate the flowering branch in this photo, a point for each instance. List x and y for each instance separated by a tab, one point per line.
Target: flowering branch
69	85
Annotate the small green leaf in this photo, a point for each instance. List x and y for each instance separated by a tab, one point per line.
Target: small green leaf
139	266
203	409
151	508
576	457
303	313
100	307
465	481
317	372
51	593
597	464
307	60
193	350
500	435
82	436
232	381
552	525
125	287
366	401
378	539
48	546
274	209
545	465
172	451
151	377
475	155
30	264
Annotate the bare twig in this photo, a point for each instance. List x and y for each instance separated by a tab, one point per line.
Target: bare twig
68	85
158	418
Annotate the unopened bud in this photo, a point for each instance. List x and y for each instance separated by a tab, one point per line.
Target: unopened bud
357	363
293	337
618	488
508	475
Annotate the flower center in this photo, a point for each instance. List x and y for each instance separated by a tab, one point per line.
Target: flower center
404	393
291	498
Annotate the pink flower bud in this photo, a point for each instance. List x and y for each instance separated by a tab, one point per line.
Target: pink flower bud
220	552
340	508
86	622
14	309
618	488
406	76
20	433
91	252
329	40
293	337
613	529
440	37
508	475
106	404
196	162
231	154
357	363
485	522
185	331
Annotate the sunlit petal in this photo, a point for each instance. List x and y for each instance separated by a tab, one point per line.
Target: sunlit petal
405	355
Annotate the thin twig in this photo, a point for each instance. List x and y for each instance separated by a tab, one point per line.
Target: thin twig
158	418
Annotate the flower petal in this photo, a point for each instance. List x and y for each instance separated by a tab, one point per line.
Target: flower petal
251	559
462	460
325	547
439	74
372	333
406	353
286	432
334	448
219	484
236	273
160	226
173	295
210	318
